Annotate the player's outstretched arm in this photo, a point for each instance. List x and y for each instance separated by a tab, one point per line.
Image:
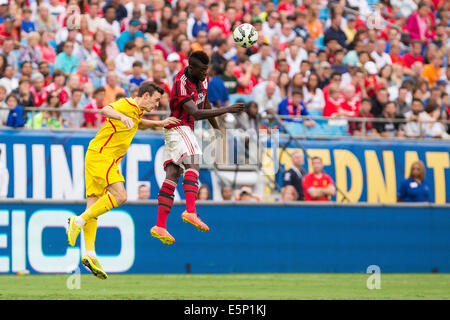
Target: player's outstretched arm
212	121
110	112
197	114
145	124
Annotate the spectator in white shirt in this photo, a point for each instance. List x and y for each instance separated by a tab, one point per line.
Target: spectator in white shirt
73	119
124	61
312	95
134	4
264	59
268	101
287	33
261	87
272	26
8	81
379	55
109	21
414	126
294	56
433	128
93	20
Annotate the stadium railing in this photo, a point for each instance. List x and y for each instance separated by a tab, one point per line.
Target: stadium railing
325	127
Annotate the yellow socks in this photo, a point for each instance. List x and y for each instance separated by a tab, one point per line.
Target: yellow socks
90	231
101	206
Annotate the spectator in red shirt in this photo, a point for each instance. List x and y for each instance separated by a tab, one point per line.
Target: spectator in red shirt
415	54
356	127
317	185
7	29
333	102
58	85
394	53
44	69
334	79
216	19
91	119
185	49
243	73
351	101
37	91
83	72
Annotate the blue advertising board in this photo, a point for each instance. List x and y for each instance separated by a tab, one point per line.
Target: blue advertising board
243	238
50	165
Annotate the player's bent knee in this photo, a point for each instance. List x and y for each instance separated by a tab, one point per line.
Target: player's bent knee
120	197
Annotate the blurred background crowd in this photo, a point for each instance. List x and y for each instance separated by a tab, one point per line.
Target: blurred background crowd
382	60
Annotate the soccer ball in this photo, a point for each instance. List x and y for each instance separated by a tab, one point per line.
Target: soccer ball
245	35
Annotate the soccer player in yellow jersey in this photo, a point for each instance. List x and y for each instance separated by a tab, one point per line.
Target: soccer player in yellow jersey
104	183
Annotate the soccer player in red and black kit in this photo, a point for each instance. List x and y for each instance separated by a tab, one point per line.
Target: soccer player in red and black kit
188	102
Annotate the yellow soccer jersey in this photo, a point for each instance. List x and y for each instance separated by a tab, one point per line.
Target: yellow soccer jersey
114	138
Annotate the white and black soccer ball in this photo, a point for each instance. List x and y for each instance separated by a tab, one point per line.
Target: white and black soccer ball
245	35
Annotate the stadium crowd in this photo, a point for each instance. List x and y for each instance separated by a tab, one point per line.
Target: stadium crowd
312	58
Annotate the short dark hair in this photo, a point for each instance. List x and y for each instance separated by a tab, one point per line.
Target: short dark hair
212	5
24	79
366	100
435	89
12	95
164	33
221	42
107	7
362	52
416	100
149	87
98	90
388	103
76	90
58	72
137	64
120	96
316	158
335	73
24	63
129	45
198	56
431	106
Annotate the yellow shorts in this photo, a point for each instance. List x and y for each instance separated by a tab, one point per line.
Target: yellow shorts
100	172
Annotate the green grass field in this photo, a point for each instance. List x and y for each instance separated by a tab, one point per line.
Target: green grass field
227	286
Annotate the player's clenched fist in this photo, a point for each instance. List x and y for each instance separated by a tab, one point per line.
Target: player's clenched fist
236	108
127	121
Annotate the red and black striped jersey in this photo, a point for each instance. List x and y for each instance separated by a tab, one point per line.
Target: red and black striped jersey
184	89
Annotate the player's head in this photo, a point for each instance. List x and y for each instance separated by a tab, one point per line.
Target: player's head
198	65
149	95
297	159
317	164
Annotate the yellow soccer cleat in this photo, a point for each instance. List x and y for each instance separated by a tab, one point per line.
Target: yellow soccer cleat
162	234
195	220
94	265
73	231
